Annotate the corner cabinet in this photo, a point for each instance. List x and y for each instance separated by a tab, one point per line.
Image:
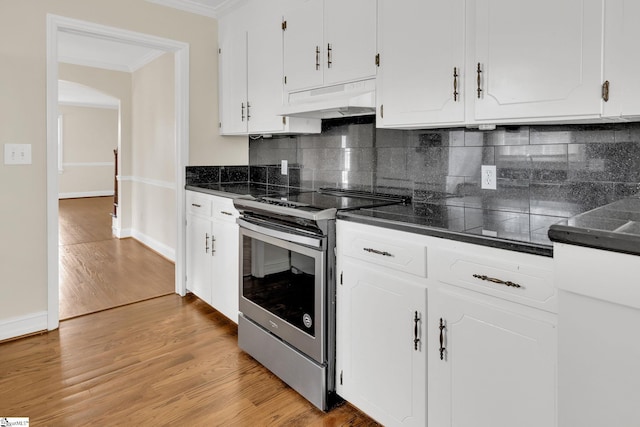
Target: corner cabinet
213	255
492	339
328	42
534	60
421	45
381	324
599	347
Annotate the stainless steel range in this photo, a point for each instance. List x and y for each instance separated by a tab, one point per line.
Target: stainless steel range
288	282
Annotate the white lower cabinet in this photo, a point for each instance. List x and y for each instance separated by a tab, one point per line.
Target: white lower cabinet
381	302
382	361
213	252
442	333
599	349
490	364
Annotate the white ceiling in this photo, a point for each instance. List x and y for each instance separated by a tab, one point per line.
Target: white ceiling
81	49
98	52
71	93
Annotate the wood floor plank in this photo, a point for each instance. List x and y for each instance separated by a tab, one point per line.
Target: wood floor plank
164	361
97	271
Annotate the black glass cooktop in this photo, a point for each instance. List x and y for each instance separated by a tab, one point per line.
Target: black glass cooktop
330	198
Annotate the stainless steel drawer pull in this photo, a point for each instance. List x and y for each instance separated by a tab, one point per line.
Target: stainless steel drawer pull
375	251
226	213
498	281
206	243
196	205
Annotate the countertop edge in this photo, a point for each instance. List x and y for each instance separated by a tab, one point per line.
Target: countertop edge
226	194
597	239
450	235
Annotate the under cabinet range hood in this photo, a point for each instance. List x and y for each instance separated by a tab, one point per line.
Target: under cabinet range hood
343	100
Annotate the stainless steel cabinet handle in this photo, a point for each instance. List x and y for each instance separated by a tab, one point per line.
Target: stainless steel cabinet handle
317	58
416	340
377	252
196	205
213	245
442	349
455	83
206	243
242	109
605	91
329	55
226	213
498	281
479	71
248	115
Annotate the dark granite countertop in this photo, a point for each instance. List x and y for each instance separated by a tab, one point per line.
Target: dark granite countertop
613	227
499	229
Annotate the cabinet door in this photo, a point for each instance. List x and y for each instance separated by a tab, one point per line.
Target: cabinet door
303	46
421	43
498	367
379	368
199	257
622	58
226	269
233	83
349	40
265	76
537	59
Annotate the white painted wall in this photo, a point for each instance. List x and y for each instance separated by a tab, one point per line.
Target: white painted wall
89	137
23	189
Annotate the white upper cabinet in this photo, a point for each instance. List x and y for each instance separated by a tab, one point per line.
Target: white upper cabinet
536	60
303	45
329	41
421	46
621	58
349	39
233	83
264	76
251	75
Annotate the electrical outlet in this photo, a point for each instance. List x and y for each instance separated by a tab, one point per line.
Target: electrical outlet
283	167
488	177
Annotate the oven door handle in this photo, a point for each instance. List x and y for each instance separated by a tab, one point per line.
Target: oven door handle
290	237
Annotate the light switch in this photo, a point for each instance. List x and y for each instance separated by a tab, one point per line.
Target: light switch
17	154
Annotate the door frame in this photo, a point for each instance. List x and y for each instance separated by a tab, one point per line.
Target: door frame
55	24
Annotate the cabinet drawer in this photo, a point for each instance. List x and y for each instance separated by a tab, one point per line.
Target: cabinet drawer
199	203
521	278
385	248
224	210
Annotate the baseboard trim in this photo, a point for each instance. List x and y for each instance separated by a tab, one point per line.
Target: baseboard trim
23	325
164	250
81	194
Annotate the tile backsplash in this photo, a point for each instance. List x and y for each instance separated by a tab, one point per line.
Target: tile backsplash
544	173
553	171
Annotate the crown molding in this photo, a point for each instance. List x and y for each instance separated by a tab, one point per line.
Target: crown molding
196	7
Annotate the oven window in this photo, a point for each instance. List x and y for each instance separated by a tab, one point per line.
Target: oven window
280	281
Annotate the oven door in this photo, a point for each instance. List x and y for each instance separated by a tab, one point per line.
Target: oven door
282	286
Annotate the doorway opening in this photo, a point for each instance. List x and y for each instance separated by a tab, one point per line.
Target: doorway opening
57	25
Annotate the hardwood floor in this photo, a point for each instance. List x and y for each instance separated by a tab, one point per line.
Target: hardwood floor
98	271
164	361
